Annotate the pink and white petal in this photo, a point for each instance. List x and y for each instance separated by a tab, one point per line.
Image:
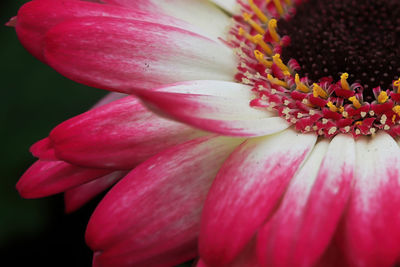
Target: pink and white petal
200	13
118	135
35	18
123	54
216	106
246	191
45	178
230	6
372	224
156	208
303	226
76	197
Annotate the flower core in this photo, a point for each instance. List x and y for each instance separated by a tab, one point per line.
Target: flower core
325	66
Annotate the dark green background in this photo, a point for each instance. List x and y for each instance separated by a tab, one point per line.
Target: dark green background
34	99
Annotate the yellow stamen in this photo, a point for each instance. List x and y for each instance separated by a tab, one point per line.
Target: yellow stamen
288	2
278	61
258	39
260	57
383	97
397	85
278	6
318	91
358	123
272	25
396	109
341	109
258	12
393	118
343	81
249	20
355	102
246	35
332	107
276	81
299	85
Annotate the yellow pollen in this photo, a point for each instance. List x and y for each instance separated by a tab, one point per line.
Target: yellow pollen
288	2
278	6
259	39
393	118
272	25
249	20
276	81
278	61
383	97
332	107
343	81
397	85
341	109
318	91
246	35
258	12
260	57
300	86
355	102
358	123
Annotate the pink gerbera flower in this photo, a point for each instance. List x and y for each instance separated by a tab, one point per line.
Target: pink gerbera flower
277	141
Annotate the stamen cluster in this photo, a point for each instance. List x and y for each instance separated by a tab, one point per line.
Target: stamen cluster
325	106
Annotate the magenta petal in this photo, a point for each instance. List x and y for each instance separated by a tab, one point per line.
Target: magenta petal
76	197
371	231
46	178
156	208
118	135
35	18
246	190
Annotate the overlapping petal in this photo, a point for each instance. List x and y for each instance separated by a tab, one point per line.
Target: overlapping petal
122	54
371	230
155	210
303	226
46	178
216	106
246	190
118	135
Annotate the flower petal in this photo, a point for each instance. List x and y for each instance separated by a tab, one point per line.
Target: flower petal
371	226
43	149
118	135
216	106
246	190
230	6
155	210
35	18
46	178
305	222
197	12
122	54
76	197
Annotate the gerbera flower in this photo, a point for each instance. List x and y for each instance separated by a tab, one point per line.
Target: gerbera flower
282	148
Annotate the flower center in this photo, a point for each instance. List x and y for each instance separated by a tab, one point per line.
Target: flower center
325	66
359	37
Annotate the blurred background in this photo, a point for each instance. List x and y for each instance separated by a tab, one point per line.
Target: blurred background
34	99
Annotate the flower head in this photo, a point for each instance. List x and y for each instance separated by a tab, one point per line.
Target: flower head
267	137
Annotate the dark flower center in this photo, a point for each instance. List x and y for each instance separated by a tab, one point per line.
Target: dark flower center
360	37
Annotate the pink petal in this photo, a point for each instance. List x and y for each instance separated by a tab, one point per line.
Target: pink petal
108	98
303	226
246	190
122	54
76	197
155	210
372	224
118	135
35	18
216	106
46	178
43	149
